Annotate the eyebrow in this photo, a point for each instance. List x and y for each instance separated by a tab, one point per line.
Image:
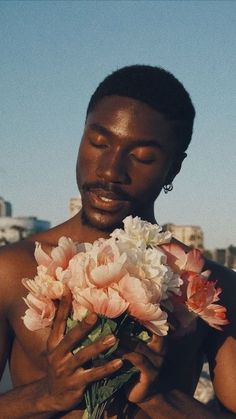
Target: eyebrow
100	129
138	142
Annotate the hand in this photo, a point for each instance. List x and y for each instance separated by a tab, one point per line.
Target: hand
67	376
148	358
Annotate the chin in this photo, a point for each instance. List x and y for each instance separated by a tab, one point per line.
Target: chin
102	221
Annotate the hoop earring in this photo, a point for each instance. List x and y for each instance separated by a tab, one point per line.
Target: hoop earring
168	188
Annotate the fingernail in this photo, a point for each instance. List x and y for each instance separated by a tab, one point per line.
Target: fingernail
117	363
109	340
91	318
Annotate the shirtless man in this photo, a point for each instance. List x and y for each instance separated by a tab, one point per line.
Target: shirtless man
138	126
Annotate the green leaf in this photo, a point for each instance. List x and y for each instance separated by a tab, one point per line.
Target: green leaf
110	351
112	385
104	327
144	336
70	324
95	333
85	414
112	325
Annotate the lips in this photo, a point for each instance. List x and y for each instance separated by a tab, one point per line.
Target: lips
105	200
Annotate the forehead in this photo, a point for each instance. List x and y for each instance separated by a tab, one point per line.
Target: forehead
130	119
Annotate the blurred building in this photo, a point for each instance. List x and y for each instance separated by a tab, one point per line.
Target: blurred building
13	229
5	208
226	257
220	256
188	234
75	205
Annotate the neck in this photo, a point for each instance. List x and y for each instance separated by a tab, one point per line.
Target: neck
83	232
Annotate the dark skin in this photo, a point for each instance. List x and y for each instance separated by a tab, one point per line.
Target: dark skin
128	152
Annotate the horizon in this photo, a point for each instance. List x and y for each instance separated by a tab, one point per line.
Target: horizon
179	225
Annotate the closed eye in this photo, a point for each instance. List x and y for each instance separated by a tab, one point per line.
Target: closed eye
143	160
97	144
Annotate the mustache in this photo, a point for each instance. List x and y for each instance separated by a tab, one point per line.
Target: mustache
106	186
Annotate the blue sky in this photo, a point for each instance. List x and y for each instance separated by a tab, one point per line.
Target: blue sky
53	55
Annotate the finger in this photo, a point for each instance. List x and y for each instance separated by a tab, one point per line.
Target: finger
157	344
76	334
97	373
92	351
59	324
143	384
154	350
143	364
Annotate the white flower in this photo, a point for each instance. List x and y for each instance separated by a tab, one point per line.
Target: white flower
173	283
140	233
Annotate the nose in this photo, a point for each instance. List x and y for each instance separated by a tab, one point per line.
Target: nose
112	167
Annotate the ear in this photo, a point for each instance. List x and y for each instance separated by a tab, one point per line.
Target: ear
175	167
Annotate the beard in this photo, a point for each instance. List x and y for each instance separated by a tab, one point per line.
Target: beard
86	221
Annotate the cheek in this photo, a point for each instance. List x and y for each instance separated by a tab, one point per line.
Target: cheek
148	191
149	182
85	164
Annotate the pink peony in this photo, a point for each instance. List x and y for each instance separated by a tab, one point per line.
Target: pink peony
44	285
106	302
105	264
135	270
133	290
201	294
40	313
215	316
60	255
181	261
74	276
151	316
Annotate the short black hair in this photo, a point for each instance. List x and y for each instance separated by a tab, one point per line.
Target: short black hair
157	88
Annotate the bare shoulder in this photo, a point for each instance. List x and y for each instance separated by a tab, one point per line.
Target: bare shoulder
16	261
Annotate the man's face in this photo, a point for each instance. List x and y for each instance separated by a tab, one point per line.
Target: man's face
127	153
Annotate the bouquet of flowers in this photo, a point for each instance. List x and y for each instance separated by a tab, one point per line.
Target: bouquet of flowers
132	280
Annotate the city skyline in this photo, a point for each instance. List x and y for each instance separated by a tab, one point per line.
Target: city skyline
53	56
182	232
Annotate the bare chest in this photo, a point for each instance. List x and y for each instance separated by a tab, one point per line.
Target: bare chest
28	357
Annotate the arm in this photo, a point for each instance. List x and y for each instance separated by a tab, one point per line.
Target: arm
5	342
221	346
172	404
177	405
63	387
